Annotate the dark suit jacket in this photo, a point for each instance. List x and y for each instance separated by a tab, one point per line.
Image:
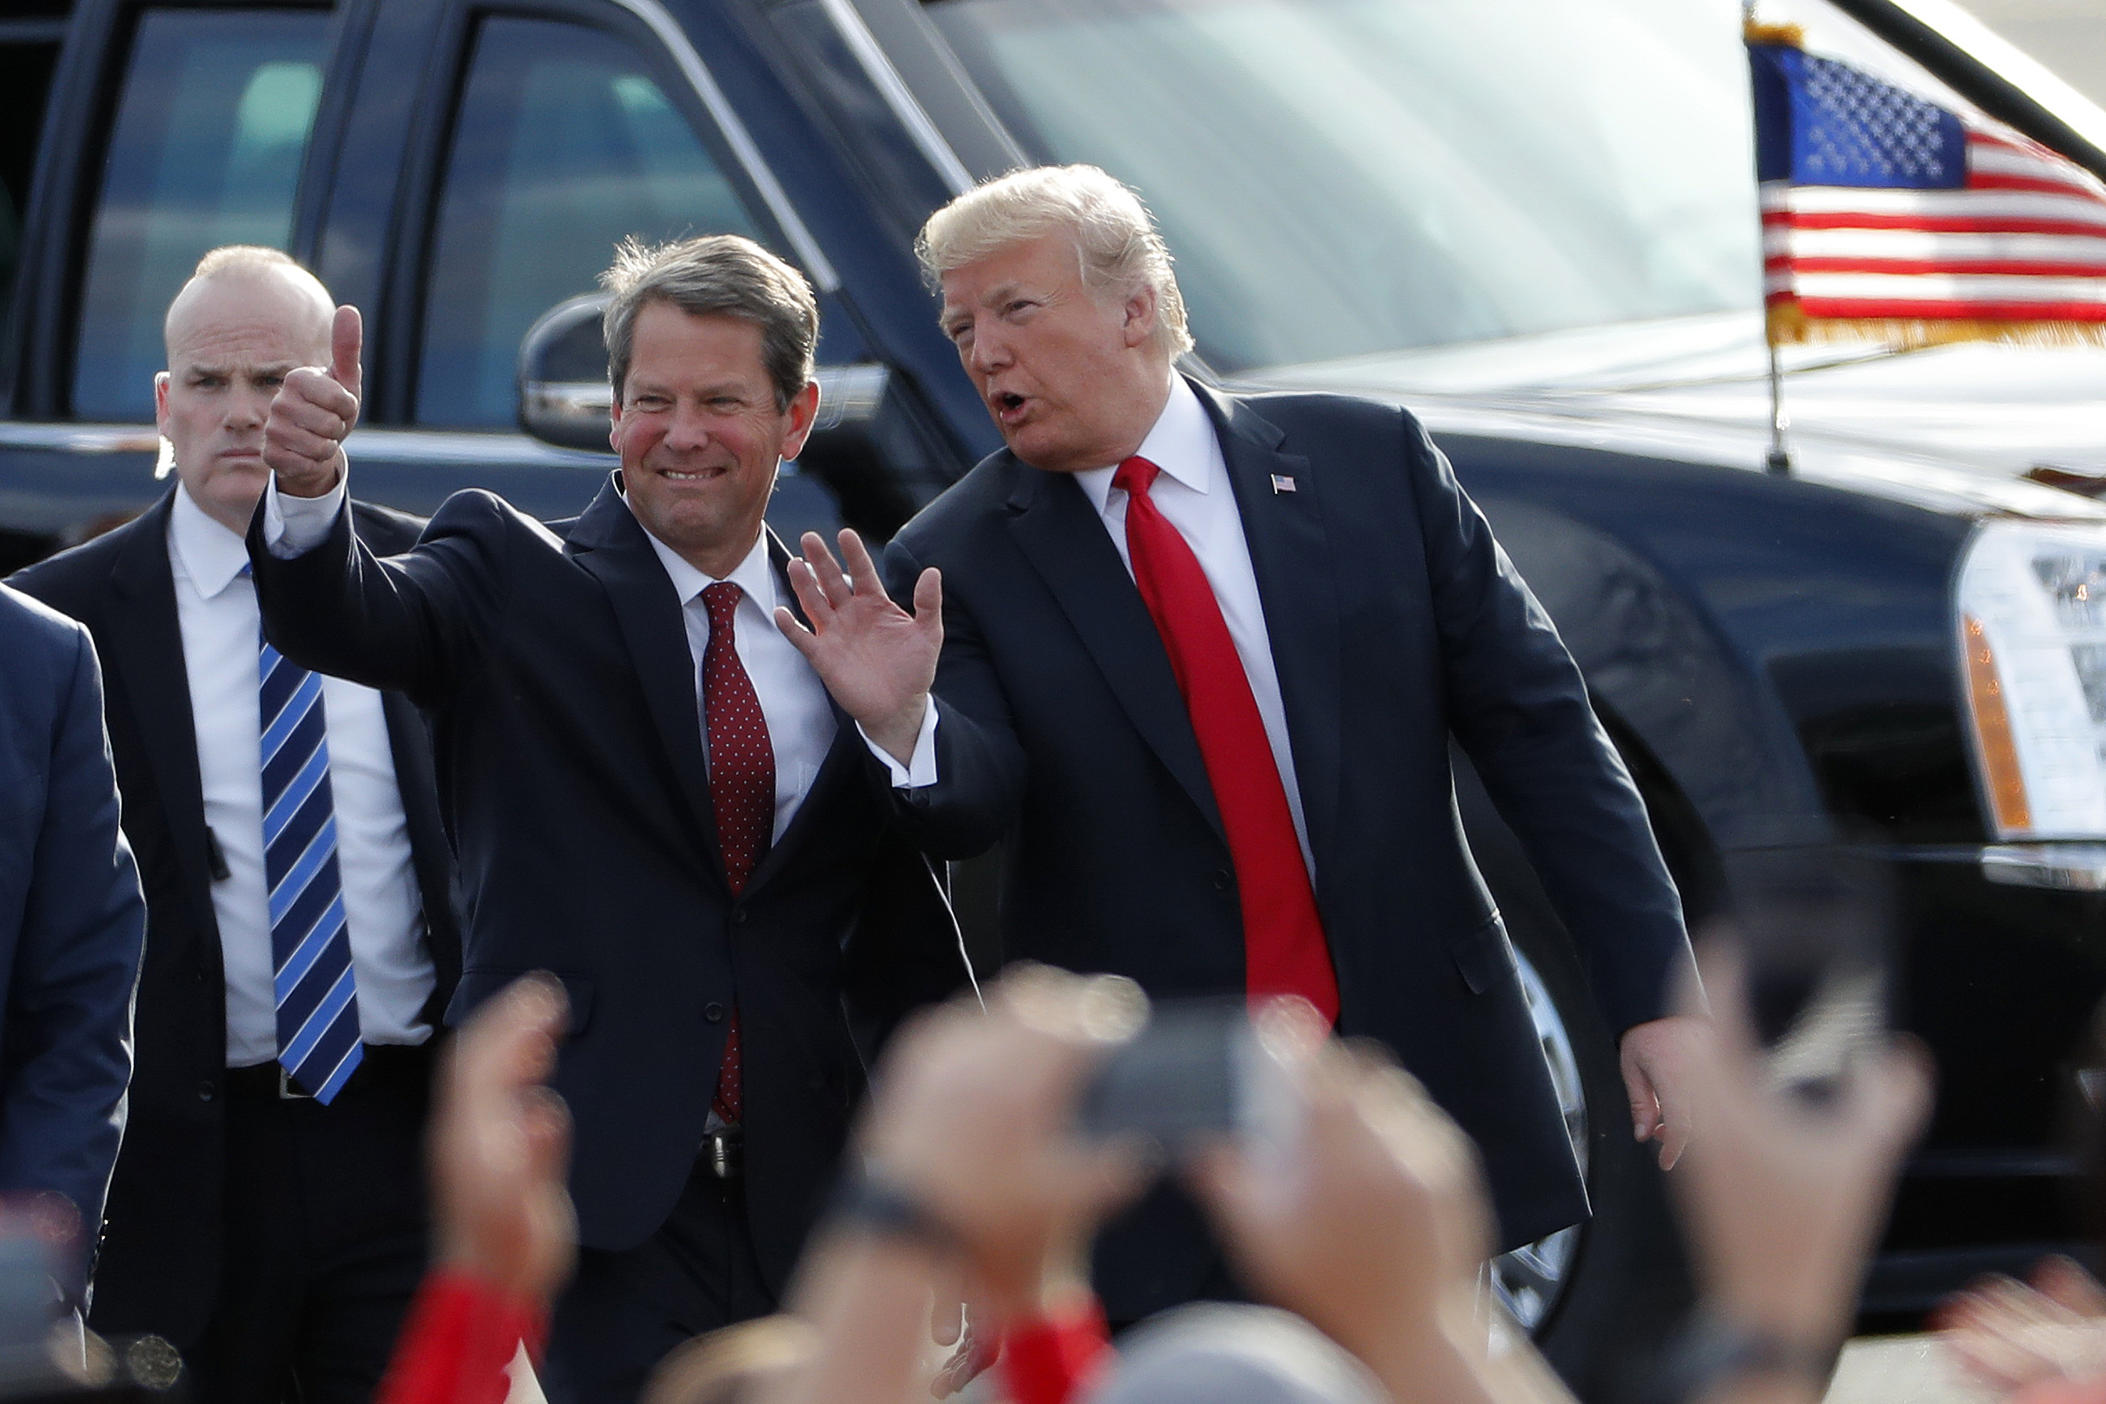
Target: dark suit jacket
161	1257
1395	620
71	921
571	769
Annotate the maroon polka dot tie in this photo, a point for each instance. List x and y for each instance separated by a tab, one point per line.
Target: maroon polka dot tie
741	784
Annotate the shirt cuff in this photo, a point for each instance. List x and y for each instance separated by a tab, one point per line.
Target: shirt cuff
920	768
293	526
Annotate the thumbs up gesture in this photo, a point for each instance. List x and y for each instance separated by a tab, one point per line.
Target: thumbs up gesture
303	441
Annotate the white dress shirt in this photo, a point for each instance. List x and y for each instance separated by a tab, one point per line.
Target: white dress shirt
216	610
1193	494
792	699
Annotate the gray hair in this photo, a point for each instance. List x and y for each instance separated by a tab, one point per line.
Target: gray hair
1116	240
714	275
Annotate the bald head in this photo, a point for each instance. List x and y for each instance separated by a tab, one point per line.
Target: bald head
293	291
246	318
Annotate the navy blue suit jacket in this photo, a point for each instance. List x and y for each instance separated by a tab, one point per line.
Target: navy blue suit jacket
557	672
1396	622
160	1267
71	920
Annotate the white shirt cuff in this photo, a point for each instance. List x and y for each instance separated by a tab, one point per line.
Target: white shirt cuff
293	526
920	768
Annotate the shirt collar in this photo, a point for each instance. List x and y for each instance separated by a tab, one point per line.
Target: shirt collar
210	554
754	575
1180	442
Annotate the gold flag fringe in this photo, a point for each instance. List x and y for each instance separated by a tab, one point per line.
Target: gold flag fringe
1790	35
1790	326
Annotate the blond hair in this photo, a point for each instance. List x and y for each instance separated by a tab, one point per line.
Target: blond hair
1116	242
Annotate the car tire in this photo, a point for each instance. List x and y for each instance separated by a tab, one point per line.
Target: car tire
1599	1297
1620	1279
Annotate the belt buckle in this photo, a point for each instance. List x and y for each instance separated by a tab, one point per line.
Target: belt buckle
724	1152
287	1091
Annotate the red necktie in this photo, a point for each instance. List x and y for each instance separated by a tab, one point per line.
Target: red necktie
1283	937
741	784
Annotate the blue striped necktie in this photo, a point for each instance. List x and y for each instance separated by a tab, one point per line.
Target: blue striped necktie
317	998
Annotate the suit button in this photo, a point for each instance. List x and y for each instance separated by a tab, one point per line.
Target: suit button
1223	879
207	1090
738	916
714	1012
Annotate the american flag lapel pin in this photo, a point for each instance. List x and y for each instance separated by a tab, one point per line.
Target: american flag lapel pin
1282	483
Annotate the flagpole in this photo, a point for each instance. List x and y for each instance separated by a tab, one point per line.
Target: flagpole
1779	459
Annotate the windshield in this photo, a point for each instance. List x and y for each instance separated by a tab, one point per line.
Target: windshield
1348	177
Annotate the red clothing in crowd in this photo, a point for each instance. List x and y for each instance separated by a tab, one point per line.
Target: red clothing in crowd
460	1336
462	1333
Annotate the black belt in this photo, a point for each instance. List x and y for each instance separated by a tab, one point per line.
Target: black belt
384	1067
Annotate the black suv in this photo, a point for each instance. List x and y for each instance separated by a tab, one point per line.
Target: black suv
1533	222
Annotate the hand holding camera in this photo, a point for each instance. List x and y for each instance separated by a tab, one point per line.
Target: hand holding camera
972	1119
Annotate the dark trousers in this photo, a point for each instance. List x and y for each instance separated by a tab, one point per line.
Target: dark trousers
624	1312
325	1219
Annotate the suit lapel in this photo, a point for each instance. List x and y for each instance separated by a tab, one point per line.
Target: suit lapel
1297	584
844	757
1066	542
843	764
609	544
148	656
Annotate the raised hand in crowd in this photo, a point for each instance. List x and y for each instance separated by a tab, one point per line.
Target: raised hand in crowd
970	1168
1782	1202
1374	1226
2014	1336
505	1233
500	1147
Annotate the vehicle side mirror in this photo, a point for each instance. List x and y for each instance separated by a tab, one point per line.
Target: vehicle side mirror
565	397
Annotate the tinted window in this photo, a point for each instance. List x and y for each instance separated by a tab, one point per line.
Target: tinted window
27	57
1341	177
563	145
211	130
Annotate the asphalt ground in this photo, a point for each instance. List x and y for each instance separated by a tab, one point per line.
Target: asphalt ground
1900	1370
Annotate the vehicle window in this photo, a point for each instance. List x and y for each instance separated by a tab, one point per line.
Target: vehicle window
28	53
562	146
210	134
1433	173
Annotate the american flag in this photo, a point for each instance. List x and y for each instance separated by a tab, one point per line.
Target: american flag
1885	213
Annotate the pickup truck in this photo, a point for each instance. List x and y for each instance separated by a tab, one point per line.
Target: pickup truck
1533	223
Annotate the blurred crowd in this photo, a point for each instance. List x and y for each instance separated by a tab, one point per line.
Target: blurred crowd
1361	1223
